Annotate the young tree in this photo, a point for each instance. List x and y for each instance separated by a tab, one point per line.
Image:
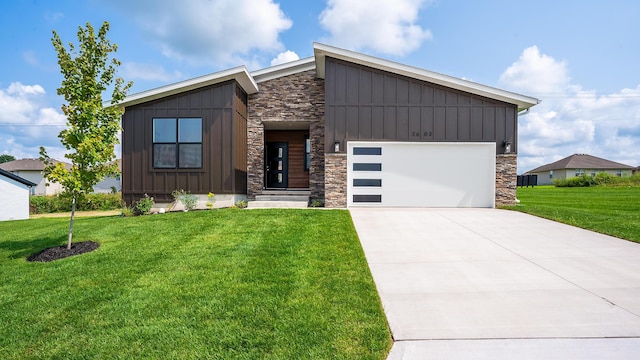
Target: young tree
6	158
92	130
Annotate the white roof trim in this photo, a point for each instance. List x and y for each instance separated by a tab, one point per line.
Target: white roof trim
240	74
285	69
321	51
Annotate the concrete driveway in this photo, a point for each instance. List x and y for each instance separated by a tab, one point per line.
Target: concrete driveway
497	284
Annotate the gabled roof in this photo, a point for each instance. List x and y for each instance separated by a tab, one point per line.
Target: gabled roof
249	81
27	165
16	178
581	161
321	51
239	74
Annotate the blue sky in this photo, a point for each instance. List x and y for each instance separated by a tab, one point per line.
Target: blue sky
579	57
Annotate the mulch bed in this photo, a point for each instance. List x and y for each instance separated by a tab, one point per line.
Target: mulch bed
61	252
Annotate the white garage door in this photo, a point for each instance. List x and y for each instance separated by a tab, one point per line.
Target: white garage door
403	174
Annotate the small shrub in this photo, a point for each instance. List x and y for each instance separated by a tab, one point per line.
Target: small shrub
316	203
241	204
187	199
143	206
210	200
127	211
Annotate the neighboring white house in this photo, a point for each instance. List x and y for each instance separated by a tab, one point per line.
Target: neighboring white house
110	182
31	169
577	165
14	196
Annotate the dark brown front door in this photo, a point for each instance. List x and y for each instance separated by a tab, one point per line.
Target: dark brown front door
277	164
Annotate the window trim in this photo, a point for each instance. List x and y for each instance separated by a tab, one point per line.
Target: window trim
177	145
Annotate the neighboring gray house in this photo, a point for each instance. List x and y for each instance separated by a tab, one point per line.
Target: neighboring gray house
14	196
577	165
346	128
31	169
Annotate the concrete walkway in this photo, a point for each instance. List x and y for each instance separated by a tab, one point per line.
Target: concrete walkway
497	284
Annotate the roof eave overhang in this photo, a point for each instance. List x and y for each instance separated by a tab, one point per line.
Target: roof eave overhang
321	51
239	74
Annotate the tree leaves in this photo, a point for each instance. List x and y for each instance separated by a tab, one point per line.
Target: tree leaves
92	130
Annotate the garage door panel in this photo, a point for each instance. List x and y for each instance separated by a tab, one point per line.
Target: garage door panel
421	174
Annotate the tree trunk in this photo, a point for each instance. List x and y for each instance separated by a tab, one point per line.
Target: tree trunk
73	213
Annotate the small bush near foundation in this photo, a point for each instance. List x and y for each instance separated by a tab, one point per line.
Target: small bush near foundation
143	206
241	204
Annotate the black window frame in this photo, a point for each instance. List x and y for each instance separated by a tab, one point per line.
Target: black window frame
177	143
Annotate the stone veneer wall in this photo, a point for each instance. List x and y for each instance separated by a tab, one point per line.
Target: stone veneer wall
506	179
294	98
335	180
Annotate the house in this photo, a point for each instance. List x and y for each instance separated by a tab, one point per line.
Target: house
348	128
577	165
110	183
15	192
31	169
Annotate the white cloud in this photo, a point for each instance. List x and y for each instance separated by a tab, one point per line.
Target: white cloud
570	119
389	27
150	72
285	57
209	32
535	72
25	124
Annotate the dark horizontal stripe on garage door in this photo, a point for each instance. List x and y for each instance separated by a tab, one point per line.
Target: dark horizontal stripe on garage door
367	151
367	198
367	167
367	182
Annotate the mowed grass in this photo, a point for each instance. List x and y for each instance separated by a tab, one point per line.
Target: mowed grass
224	284
609	210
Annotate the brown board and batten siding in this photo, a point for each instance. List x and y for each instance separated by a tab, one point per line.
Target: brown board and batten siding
363	103
223	110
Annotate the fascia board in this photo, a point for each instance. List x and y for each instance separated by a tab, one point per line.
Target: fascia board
240	74
285	69
321	51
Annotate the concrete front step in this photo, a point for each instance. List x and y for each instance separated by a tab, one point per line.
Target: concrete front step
282	197
258	204
286	192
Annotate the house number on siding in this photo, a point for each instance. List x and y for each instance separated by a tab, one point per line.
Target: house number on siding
417	133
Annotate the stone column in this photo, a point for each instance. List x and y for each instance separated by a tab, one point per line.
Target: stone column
335	186
255	159
506	179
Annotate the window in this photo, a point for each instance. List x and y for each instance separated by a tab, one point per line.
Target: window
177	143
593	173
550	174
579	172
619	172
307	153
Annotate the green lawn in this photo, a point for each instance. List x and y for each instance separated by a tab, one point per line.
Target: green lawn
223	284
608	210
